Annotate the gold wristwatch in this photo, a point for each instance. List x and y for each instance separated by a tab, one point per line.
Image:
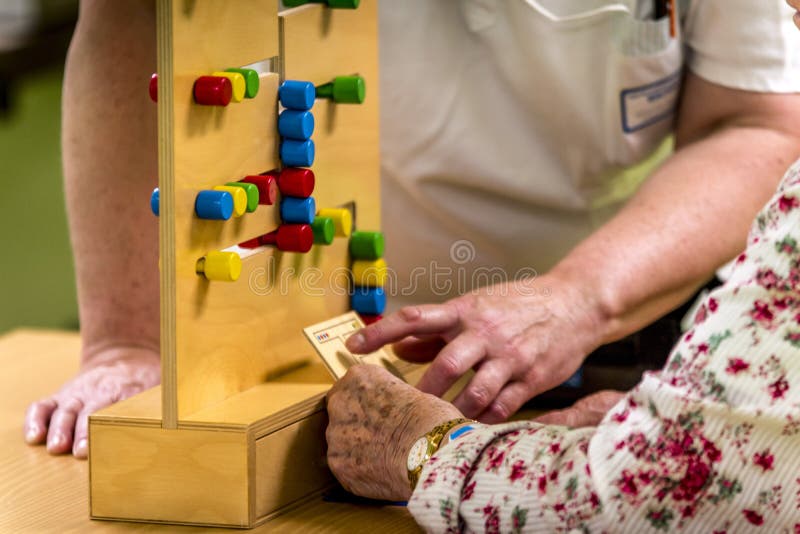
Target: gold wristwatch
422	449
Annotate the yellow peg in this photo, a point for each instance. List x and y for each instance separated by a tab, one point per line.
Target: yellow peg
239	198
342	220
220	266
370	273
238	84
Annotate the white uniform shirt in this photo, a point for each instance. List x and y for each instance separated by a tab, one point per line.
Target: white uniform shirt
506	124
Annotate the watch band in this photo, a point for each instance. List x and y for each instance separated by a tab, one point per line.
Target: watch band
434	437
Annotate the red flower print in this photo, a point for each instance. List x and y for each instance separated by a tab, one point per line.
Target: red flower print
637	444
496	458
778	388
492	515
463	469
542	485
741	258
711	451
621	416
794	277
555	447
694	480
753	517
764	460
785	203
761	312
736	366
429	480
701	314
702	348
646	477
687	511
559	507
767	278
469	490
627	484
713	305
517	470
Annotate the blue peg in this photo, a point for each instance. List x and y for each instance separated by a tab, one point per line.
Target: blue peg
296	124
297	95
214	205
298	210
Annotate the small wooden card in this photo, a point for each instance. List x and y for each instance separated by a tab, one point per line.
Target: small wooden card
328	338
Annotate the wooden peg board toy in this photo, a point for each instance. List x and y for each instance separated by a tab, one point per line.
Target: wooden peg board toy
235	433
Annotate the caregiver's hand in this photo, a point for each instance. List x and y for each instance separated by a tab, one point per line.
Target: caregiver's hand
374	418
522	338
115	374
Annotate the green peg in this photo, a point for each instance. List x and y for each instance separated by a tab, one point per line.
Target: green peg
251	81
323	229
344	90
340	4
252	194
366	245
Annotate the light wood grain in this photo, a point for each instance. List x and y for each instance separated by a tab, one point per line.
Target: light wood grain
290	464
40	493
220	339
155	474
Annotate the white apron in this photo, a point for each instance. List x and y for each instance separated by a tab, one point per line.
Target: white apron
505	127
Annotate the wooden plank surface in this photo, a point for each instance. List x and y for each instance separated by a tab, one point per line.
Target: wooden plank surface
40	493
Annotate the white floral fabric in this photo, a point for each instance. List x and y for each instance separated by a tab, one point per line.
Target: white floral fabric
711	443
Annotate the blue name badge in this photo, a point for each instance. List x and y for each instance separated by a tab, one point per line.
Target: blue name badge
648	104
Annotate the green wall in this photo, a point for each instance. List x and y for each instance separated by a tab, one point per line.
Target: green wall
37	285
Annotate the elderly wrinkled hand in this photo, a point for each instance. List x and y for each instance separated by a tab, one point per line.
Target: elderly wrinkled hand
374	418
588	411
522	338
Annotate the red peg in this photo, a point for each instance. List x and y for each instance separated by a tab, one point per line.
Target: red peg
213	91
267	187
296	182
290	238
251	243
369	319
153	89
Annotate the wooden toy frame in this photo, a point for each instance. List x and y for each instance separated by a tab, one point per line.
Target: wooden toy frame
235	433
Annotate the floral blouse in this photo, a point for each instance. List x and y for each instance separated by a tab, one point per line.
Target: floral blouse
711	443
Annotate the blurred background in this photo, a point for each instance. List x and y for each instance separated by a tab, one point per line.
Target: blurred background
37	285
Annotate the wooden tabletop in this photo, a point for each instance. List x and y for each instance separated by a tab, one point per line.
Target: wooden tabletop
43	493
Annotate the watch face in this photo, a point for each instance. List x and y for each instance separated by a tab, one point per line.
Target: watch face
417	453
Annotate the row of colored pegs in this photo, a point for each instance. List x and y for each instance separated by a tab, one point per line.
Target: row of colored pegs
220	88
299	95
299	237
370	273
232	199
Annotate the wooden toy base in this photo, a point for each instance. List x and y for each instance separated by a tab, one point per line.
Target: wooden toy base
236	464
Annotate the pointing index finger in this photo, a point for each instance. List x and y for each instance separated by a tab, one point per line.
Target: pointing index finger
408	321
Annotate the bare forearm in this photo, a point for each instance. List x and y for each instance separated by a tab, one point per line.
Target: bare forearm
110	168
689	218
